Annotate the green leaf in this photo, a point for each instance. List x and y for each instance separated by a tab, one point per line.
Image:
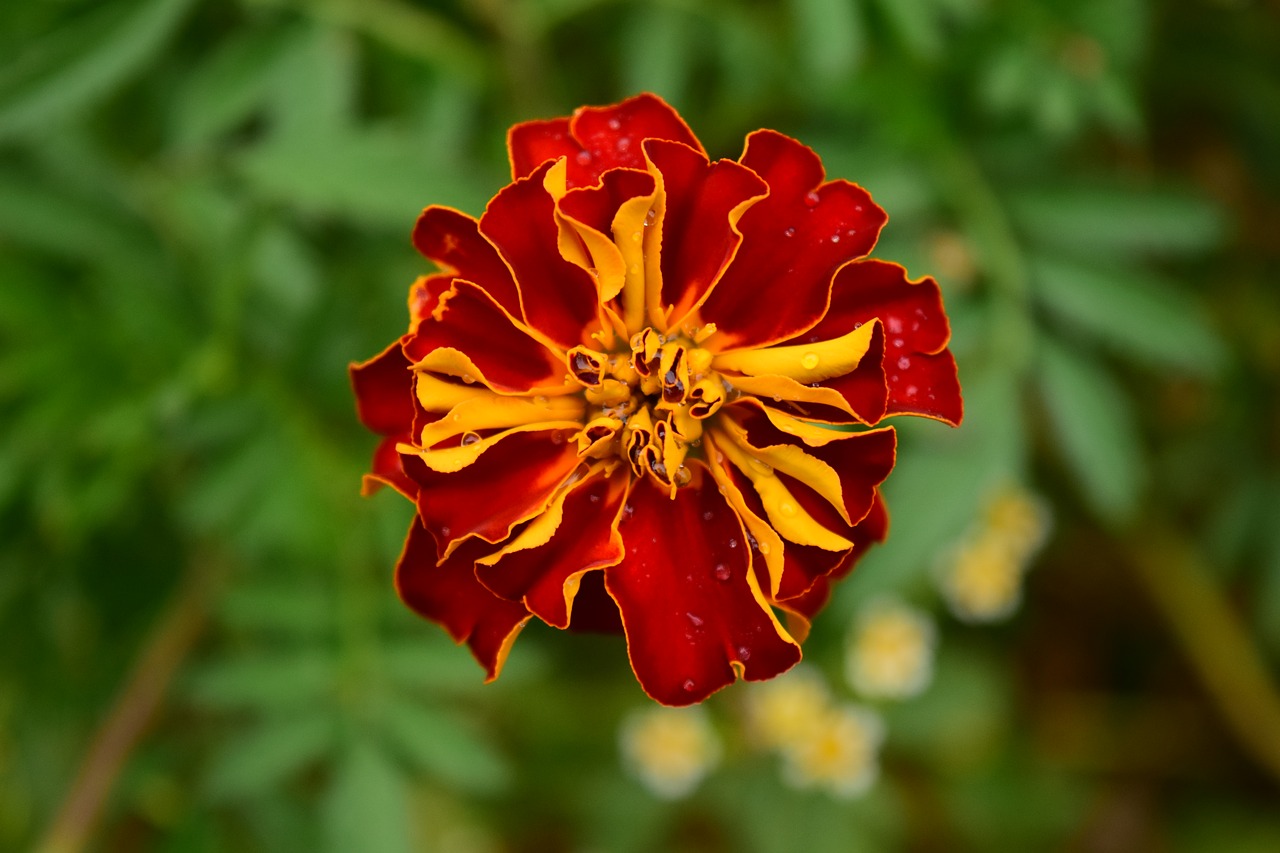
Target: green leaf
56	84
1095	221
916	23
442	746
228	86
1137	313
379	176
422	664
830	37
286	268
314	86
290	609
659	51
366	806
262	758
281	680
1096	433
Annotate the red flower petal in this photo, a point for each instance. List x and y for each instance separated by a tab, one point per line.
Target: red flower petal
597	139
558	297
453	240
546	576
386	469
793	241
693	614
470	321
509	483
698	232
384	391
449	594
920	371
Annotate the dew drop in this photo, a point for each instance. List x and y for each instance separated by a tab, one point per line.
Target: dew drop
557	437
810	360
857	208
708	515
911	391
683	476
694	620
904	363
541	399
790	232
583	158
469	438
811	200
650	216
595	499
744	654
615	124
635	237
689	686
788	508
733	543
764	547
898	343
835	238
760	465
722	572
444	531
468	379
894	325
623	143
635	269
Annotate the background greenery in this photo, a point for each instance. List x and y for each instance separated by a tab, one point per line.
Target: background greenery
204	215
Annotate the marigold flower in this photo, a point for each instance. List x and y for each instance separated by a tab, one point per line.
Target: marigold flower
890	651
613	407
670	750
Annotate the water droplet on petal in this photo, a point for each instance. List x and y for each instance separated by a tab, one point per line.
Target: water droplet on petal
614	124
835	238
623	143
444	531
788	508
733	543
650	216
911	391
635	237
810	360
469	438
541	399
708	515
894	325
689	686
744	654
468	378
811	200
694	620
722	572
790	232
904	363
764	547
583	158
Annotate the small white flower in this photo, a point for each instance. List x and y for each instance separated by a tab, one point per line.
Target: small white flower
890	651
840	753
670	750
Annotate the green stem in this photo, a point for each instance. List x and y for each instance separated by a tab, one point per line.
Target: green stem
159	661
1215	642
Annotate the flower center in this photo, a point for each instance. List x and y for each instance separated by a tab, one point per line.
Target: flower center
646	405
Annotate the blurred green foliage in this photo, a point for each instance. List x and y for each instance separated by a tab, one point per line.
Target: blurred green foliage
204	210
